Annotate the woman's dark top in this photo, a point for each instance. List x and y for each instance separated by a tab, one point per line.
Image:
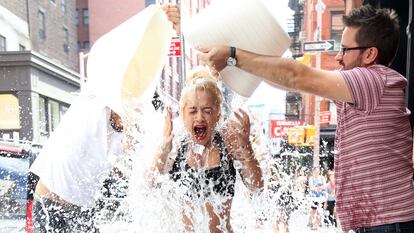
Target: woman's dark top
203	182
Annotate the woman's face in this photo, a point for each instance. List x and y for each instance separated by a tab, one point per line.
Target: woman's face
200	115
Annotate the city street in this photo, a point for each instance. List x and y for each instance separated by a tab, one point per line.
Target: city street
12	226
206	115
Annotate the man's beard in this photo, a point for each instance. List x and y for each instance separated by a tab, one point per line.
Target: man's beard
356	63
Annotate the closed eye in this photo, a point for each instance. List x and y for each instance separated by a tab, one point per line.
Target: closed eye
208	110
192	110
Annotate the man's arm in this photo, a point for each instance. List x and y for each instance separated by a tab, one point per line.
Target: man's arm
281	72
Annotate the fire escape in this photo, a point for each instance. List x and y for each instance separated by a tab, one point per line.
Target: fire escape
294	99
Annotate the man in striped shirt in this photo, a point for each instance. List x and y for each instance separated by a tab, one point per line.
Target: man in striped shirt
373	165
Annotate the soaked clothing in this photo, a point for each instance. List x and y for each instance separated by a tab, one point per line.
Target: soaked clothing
200	182
53	217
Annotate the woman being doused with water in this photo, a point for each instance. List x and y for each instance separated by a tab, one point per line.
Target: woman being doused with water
203	167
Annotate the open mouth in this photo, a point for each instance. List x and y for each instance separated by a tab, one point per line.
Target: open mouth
200	132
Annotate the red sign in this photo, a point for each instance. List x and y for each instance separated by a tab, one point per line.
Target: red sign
175	47
280	128
324	117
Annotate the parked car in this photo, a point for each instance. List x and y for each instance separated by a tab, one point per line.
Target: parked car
17	185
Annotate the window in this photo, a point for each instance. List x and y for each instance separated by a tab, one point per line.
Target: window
336	28
22	47
3	43
149	2
50	114
65	40
77	17
292	109
43	125
85	16
54	116
293	105
64	7
79	46
86	45
42	25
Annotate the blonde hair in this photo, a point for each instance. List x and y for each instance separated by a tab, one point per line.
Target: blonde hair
201	79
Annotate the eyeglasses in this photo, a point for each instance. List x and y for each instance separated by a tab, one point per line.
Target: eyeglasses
344	49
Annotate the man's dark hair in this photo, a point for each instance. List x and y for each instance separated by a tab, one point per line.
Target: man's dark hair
377	28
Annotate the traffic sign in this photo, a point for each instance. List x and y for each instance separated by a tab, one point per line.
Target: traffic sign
324	117
280	128
175	47
318	46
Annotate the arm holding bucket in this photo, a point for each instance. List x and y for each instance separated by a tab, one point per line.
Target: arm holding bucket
173	14
280	71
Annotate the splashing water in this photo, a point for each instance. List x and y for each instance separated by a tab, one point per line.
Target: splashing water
161	209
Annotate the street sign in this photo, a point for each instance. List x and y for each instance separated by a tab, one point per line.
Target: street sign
324	117
280	128
175	47
318	46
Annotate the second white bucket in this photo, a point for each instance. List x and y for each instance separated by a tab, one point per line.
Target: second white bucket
244	24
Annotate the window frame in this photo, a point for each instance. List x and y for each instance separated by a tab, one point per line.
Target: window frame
65	39
3	43
42	24
51	112
86	42
64	6
77	16
336	34
85	16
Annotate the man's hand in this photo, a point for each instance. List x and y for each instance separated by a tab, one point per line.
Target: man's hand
173	14
214	57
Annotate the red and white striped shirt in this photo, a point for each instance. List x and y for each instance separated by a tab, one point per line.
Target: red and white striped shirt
373	166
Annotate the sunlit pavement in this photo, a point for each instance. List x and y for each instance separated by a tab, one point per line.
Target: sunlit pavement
298	224
12	226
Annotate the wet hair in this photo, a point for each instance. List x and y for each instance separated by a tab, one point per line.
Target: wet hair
377	28
112	122
201	79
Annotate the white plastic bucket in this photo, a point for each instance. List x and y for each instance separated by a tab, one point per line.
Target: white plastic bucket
125	64
245	24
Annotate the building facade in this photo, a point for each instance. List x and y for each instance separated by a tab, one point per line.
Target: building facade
38	66
82	23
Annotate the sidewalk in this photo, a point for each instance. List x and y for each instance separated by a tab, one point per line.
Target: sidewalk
298	223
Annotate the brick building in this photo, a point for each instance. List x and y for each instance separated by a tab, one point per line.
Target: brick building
38	66
82	22
51	27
